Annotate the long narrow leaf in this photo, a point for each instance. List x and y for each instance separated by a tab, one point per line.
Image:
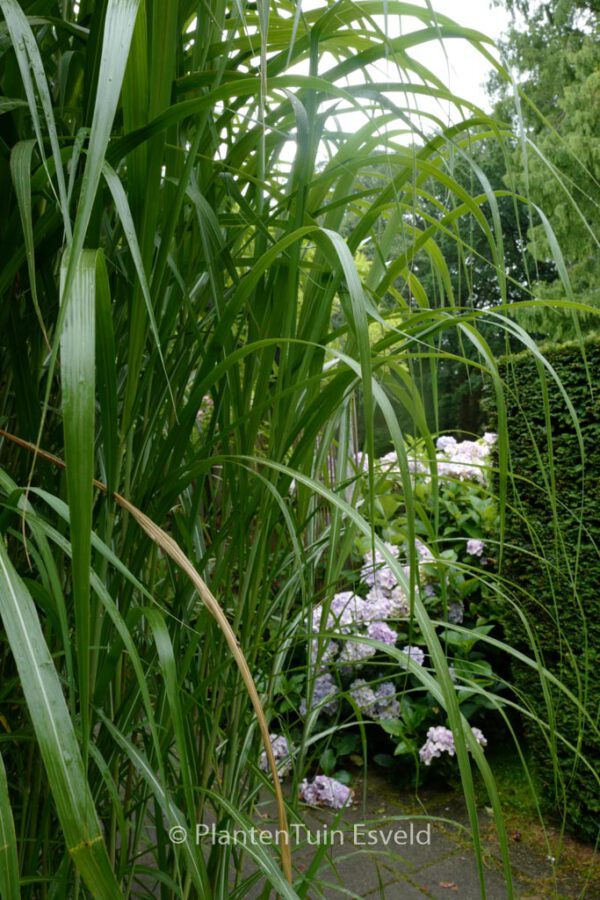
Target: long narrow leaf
9	862
30	64
77	356
55	733
20	169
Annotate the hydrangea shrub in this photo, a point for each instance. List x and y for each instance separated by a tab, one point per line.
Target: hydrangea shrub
349	631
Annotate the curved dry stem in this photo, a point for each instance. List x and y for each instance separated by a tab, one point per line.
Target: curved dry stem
172	549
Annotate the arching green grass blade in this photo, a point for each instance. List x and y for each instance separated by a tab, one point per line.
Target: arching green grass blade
34	78
9	863
77	357
20	169
55	733
107	374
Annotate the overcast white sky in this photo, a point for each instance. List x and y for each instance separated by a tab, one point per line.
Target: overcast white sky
465	70
458	65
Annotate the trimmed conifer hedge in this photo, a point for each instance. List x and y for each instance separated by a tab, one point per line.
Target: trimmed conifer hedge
553	560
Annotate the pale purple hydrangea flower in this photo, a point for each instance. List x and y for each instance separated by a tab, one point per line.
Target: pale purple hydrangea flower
465	460
380	576
361	461
415	654
390	464
345	606
281	752
399	602
355	652
378	605
382	603
325	791
416	467
363	695
378	704
478	735
386	705
330	651
425	557
475	547
379	631
324	697
441	740
346	609
389	461
375	572
207	406
423	552
446	443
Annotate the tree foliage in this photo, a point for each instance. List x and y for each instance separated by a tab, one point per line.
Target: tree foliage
555	56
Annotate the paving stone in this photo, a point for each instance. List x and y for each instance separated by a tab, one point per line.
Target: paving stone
457	877
399	890
357	872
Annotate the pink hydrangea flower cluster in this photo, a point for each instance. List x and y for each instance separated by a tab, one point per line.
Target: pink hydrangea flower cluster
325	791
441	740
350	614
465	460
475	547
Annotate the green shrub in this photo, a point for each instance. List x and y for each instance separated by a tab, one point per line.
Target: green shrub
456	515
552	559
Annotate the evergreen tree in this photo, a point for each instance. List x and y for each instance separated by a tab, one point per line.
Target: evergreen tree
555	56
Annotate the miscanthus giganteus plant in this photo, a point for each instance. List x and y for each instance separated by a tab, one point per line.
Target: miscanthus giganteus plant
183	211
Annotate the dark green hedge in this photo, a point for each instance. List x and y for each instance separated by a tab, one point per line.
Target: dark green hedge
556	561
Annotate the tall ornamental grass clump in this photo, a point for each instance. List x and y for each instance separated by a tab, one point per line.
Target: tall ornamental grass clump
551	556
184	336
